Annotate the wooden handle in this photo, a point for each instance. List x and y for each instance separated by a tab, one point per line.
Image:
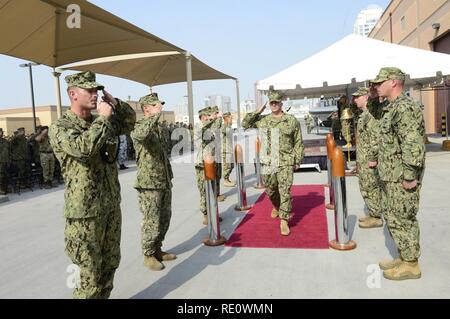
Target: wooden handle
258	145
209	168
337	158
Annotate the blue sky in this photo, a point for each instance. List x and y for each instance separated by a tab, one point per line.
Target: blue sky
247	39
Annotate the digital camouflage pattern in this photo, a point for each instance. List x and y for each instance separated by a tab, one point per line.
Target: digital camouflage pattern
227	151
278	188
84	80
401	154
389	73
154	169
400	208
93	244
282	148
153	182
92	195
150	99
401	157
288	142
204	142
369	180
156	207
217	150
20	156
47	159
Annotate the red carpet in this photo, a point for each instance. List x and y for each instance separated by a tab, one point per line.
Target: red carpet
308	225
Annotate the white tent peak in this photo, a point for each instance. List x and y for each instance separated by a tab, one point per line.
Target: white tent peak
354	60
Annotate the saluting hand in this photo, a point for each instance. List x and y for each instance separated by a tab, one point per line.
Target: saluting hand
104	109
409	184
108	98
261	109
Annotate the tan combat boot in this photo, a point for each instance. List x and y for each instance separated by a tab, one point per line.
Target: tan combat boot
274	213
221	198
371	222
162	255
228	183
389	264
153	263
361	219
284	227
406	270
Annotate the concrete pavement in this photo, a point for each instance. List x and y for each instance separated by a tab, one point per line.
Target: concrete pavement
33	263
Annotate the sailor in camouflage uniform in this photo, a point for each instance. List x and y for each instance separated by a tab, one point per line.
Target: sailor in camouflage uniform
153	182
47	158
401	165
369	181
205	143
227	149
20	156
85	145
282	151
217	150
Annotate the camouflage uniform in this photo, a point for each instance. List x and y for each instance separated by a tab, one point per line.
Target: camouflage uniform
277	169
227	151
368	139
20	157
4	161
92	195
309	123
203	138
401	157
217	151
47	160
154	180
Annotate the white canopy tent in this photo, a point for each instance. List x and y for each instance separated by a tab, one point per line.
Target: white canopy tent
41	31
353	61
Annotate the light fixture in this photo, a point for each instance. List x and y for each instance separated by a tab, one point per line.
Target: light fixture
436	26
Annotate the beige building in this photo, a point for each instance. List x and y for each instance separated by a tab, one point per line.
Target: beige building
423	24
12	119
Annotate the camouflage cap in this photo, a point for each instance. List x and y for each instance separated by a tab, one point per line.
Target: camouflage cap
205	111
84	80
150	99
21	129
389	73
226	114
214	109
275	97
361	91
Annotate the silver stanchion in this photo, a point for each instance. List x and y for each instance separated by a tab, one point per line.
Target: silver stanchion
240	178
342	241
214	238
259	180
331	145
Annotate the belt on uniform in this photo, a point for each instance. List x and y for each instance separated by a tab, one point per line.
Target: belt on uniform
47	152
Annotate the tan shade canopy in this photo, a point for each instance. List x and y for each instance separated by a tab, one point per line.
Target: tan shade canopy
37	30
150	68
